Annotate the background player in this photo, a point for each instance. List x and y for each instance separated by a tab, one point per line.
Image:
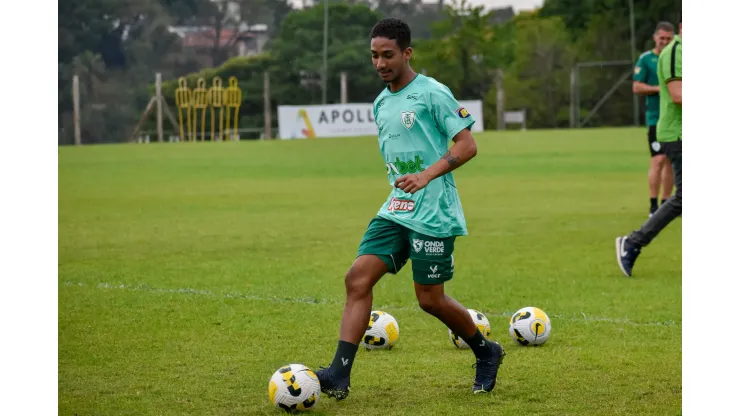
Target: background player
416	117
669	134
645	82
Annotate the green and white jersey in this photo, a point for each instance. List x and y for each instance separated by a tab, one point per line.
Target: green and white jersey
670	68
646	71
415	127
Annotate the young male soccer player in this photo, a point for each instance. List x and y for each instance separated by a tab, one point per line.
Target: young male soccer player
669	134
416	117
645	82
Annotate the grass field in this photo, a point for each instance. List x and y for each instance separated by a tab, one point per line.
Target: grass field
188	273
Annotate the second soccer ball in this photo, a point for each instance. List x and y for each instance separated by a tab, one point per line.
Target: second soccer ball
480	321
382	331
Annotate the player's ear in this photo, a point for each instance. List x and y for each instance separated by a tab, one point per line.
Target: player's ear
407	53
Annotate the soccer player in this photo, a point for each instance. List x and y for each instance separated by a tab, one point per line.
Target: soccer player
645	82
416	118
669	135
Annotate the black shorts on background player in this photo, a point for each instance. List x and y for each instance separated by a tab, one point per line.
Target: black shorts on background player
653	143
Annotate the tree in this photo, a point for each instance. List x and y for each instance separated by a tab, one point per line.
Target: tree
539	78
111	45
460	53
298	51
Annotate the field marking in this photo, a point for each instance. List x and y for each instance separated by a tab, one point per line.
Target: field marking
582	317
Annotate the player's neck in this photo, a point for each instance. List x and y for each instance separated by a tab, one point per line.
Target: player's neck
402	81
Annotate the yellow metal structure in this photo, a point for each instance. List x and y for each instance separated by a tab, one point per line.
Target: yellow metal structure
216	99
192	106
183	99
200	103
232	100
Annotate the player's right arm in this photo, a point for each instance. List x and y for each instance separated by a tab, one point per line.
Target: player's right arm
673	73
639	80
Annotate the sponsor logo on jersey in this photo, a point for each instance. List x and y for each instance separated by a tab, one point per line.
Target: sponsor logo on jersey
401	205
434	274
462	112
400	167
432	248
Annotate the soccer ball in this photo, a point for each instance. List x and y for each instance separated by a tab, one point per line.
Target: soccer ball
530	326
480	321
382	331
294	387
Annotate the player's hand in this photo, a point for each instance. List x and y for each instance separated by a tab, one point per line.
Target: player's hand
411	183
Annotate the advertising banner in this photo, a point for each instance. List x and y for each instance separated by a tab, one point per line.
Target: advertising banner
342	120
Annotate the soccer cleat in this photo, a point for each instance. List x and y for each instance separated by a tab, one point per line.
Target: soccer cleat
486	370
626	255
330	386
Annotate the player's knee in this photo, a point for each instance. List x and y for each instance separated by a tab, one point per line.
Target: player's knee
430	302
356	283
676	201
658	161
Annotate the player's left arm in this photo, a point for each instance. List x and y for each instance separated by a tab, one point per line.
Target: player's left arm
675	90
452	120
673	73
462	151
640	79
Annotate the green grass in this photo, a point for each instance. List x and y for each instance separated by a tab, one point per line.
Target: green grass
188	273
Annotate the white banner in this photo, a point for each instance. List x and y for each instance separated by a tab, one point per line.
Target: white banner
342	120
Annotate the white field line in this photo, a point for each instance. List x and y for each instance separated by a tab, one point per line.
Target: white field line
582	317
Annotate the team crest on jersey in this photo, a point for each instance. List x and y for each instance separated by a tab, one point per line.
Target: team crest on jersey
408	118
637	70
418	245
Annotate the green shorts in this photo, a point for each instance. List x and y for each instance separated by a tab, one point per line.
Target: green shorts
431	257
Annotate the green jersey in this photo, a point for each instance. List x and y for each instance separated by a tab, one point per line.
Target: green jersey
646	71
415	126
669	69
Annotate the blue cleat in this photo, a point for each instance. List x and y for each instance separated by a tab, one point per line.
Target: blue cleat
486	370
338	389
627	253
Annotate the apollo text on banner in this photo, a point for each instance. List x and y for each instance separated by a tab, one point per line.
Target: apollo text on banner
342	120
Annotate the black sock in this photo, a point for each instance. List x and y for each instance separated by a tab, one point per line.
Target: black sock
480	346
653	204
343	359
663	201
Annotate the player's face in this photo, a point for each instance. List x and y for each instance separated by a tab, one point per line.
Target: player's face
662	38
388	59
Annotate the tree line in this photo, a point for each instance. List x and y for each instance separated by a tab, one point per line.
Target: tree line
115	46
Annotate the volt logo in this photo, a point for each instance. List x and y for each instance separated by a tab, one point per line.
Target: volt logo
400	167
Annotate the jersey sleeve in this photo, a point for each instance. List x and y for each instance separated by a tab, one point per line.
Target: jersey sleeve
641	71
375	110
671	67
449	116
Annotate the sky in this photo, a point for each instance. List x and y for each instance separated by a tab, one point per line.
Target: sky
518	5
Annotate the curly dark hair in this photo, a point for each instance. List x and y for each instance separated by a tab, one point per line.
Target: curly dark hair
392	28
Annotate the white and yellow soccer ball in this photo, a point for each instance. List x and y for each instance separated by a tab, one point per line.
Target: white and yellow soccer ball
294	387
382	331
480	320
530	326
